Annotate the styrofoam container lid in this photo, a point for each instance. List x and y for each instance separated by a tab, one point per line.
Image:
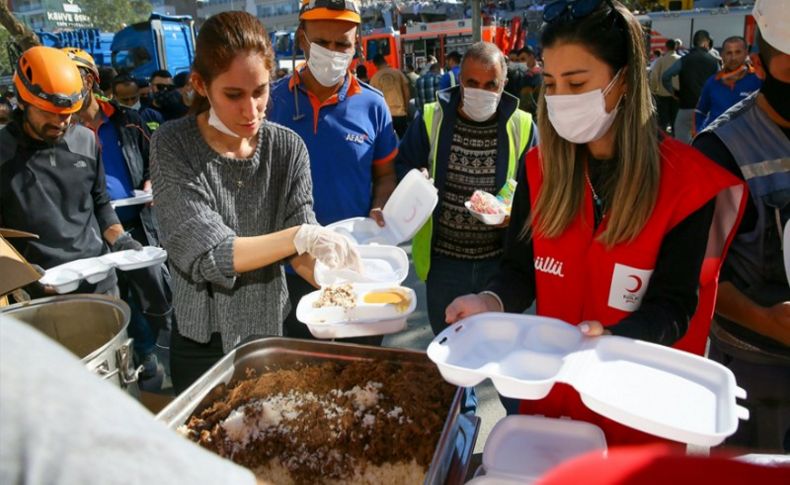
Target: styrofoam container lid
140	197
380	265
363	320
523	448
66	277
132	259
407	210
659	390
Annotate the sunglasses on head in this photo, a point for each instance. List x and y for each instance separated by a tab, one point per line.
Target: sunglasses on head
571	9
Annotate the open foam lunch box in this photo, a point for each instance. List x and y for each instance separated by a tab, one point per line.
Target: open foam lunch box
655	389
408	208
520	449
383	268
66	277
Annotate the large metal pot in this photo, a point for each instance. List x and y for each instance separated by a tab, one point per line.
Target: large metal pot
93	327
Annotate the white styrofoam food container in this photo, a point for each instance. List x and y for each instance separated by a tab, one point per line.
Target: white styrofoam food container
140	197
363	320
66	277
408	208
488	219
380	265
383	267
655	389
520	449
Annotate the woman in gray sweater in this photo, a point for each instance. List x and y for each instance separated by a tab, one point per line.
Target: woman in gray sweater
233	196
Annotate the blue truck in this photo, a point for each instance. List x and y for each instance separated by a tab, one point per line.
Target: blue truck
161	42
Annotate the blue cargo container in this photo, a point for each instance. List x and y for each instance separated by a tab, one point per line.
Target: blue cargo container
161	42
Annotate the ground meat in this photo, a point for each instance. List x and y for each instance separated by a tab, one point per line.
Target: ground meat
340	295
328	419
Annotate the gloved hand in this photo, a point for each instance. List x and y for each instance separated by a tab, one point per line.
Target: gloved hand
125	241
327	246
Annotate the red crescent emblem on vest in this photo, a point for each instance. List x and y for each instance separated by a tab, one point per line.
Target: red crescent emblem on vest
638	284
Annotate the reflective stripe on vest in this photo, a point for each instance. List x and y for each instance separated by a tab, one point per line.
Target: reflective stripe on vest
518	133
762	153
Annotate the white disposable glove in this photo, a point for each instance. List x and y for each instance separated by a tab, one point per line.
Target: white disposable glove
327	246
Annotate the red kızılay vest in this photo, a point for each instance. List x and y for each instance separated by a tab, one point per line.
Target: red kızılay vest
577	278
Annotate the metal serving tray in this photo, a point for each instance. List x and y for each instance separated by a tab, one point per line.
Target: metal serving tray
456	443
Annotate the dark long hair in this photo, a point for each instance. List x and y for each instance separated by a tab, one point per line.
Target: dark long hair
222	37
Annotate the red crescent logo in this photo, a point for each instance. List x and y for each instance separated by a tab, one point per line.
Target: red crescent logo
638	284
412	216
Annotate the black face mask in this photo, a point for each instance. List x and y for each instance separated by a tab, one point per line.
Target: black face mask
775	92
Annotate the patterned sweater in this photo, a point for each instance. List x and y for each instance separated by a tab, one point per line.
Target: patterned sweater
471	166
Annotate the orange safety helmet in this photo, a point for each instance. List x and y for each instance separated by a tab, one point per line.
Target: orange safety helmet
46	78
83	60
347	10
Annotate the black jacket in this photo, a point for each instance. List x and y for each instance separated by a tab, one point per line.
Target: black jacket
696	67
57	191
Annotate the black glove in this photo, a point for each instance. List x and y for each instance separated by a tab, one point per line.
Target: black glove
125	241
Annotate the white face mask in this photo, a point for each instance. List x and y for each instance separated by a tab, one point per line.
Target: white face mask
213	120
327	67
479	104
582	118
135	106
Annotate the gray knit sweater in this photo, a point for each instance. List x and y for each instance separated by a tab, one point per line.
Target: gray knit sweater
203	202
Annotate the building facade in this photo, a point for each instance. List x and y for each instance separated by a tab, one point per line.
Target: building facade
50	15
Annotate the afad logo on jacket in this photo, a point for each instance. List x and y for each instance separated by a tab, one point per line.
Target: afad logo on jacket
628	286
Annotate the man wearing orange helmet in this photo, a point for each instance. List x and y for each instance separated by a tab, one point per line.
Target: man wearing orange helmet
52	181
345	125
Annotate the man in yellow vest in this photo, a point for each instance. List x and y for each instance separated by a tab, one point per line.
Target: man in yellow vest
472	138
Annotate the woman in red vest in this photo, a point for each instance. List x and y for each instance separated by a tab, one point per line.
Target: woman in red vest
615	226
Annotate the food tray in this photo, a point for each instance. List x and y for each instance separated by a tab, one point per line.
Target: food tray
131	259
488	219
546	442
140	197
408	208
380	265
66	277
655	389
456	442
363	320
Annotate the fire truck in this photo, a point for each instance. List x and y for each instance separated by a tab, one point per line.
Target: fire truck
415	43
